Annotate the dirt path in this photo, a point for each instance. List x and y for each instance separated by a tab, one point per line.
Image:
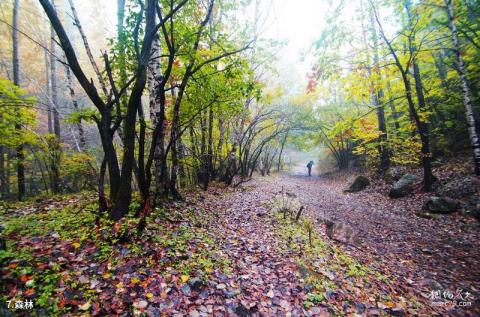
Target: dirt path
268	272
446	249
417	254
263	280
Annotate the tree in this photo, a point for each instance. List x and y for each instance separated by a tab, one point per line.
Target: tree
16	81
120	176
15	114
467	99
421	125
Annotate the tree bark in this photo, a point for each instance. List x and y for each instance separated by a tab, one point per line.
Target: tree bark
123	196
203	173
81	134
18	125
279	162
48	93
395	115
56	115
3	178
467	99
87	47
157	115
53	80
378	95
122	46
423	126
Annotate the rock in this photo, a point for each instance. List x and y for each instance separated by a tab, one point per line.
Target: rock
341	232
196	284
430	284
440	205
393	174
472	207
403	187
358	184
458	188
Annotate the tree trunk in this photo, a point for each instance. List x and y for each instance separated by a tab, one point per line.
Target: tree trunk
122	47
203	151
87	47
56	115
210	170
423	126
174	139
53	80
123	196
393	109
221	162
18	125
48	93
3	178
279	162
378	100
467	99
157	115
76	108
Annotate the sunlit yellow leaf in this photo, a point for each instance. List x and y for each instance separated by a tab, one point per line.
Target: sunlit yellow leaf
185	278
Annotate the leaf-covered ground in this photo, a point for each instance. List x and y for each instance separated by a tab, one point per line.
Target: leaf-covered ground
228	253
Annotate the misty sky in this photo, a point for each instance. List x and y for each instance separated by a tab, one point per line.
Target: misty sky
298	22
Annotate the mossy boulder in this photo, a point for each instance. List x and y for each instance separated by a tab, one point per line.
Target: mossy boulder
403	187
441	205
359	183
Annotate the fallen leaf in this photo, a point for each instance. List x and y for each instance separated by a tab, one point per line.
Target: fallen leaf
135	280
85	306
185	278
29	292
140	304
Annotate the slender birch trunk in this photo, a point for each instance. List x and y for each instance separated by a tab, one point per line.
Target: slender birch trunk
467	99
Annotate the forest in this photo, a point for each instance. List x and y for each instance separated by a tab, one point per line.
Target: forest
240	158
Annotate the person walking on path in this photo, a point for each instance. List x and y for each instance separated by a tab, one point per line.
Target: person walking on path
309	166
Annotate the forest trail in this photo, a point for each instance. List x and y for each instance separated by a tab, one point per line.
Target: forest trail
235	257
445	249
264	280
416	255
